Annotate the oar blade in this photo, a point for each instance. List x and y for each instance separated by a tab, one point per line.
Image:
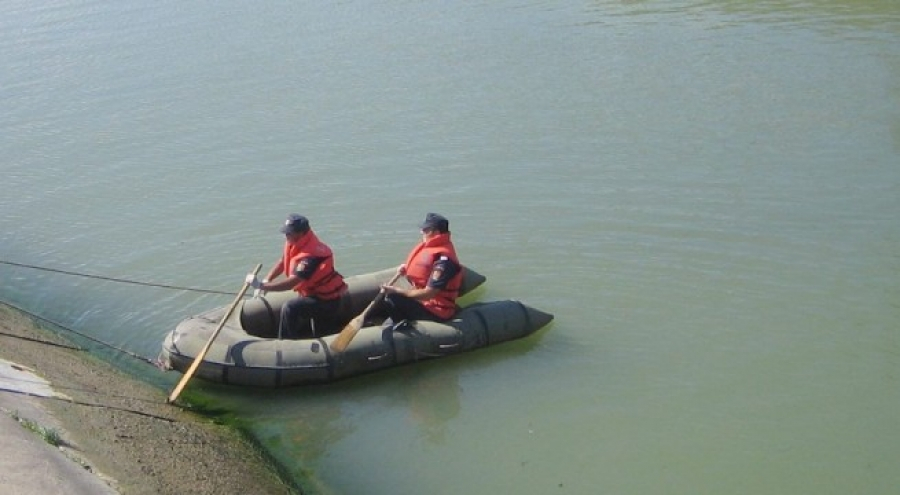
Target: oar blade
347	333
199	357
343	339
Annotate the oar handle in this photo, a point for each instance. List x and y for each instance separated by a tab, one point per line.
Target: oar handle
202	354
349	331
380	295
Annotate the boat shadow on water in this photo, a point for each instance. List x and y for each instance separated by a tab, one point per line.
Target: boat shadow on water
304	424
300	425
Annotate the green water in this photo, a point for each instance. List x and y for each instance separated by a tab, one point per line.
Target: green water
704	194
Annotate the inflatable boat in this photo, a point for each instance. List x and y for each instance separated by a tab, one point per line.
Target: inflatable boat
248	352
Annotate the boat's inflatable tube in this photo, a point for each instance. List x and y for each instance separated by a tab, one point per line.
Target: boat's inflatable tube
240	359
259	316
236	357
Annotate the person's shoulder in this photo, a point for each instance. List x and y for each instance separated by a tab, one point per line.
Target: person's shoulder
445	260
321	249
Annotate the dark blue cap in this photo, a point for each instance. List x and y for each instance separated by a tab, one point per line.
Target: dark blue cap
295	224
436	222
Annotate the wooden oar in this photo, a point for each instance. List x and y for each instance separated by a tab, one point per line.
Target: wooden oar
197	360
343	339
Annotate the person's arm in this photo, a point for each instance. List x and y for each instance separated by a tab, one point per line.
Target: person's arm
442	271
422	294
275	271
280	285
305	268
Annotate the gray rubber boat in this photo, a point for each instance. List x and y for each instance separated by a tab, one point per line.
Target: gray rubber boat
248	352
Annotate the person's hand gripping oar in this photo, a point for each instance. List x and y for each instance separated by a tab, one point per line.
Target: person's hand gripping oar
348	332
199	359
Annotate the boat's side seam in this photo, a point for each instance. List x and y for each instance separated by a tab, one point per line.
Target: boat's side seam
279	364
329	359
394	346
484	325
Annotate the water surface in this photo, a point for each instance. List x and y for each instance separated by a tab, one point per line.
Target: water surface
705	194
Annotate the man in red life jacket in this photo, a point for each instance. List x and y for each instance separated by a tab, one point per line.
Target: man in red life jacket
435	273
308	266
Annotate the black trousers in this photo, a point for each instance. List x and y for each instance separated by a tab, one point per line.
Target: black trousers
294	312
399	308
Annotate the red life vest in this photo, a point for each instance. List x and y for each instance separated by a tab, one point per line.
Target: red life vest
418	270
325	283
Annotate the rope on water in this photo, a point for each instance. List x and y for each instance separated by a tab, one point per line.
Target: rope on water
111	279
154	362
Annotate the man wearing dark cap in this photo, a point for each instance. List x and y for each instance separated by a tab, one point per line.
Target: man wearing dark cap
308	266
434	271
